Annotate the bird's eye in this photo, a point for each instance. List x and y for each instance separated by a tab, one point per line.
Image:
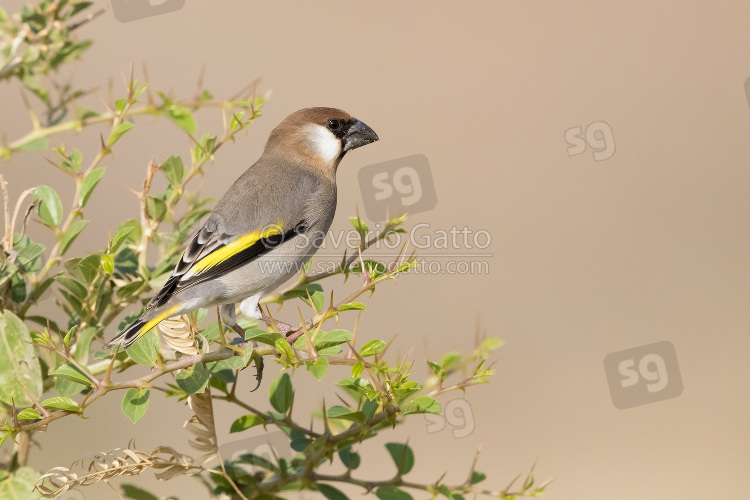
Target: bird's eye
334	125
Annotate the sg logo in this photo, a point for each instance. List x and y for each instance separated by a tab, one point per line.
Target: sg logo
403	185
643	375
598	136
132	10
457	413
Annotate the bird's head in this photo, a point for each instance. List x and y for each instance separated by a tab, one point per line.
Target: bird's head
319	136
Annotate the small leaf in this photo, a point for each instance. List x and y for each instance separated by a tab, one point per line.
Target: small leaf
19	361
246	422
71	234
350	458
119	237
392	493
136	493
156	207
331	493
119	132
89	183
369	408
135	403
193	380
181	117
37	144
421	405
477	477
342	413
61	403
50	210
283	347
76	288
402	456
144	350
371	348
108	263
71	373
352	306
173	170
318	368
29	414
281	393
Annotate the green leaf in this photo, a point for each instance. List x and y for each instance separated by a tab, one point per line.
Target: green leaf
136	493
343	413
205	146
281	393
372	348
135	234
75	159
18	361
318	300
71	234
119	132
119	237
18	288
357	369
402	456
477	477
193	380
50	210
29	414
181	117
173	170
268	338
392	493
76	288
37	144
421	405
318	368
89	183
325	340
283	347
246	422
108	263
61	403
120	105
20	485
369	408
331	493
156	207
145	349
360	227
135	403
350	458
28	257
352	306
129	289
71	373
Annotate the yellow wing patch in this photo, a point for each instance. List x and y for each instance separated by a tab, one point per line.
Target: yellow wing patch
235	247
148	326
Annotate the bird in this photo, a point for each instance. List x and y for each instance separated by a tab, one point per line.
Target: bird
267	225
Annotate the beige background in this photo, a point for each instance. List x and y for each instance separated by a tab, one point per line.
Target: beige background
589	257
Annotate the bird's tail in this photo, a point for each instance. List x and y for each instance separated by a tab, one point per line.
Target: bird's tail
139	327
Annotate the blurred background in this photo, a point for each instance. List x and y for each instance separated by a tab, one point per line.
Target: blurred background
601	151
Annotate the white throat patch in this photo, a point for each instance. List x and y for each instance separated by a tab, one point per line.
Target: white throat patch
323	142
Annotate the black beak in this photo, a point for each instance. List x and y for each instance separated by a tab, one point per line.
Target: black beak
358	135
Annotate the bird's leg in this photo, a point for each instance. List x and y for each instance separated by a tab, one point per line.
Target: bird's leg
251	309
230	319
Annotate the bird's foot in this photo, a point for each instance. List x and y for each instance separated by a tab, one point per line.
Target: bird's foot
285	329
